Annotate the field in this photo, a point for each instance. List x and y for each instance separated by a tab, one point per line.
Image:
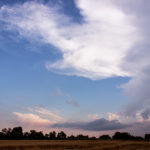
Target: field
73	145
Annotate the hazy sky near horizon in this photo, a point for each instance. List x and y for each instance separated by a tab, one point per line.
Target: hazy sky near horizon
75	64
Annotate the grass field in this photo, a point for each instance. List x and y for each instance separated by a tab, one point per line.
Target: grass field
73	145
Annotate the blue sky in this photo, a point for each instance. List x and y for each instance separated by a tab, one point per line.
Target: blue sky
66	62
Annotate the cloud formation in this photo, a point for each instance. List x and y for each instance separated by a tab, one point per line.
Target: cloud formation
113	116
46	113
73	103
96	125
70	100
110	41
146	114
32	119
93	49
38	116
138	90
93	116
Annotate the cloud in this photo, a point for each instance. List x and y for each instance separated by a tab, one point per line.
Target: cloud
138	90
70	101
32	119
59	92
38	116
146	114
110	41
113	116
139	128
137	61
73	103
93	116
46	113
93	49
143	115
96	125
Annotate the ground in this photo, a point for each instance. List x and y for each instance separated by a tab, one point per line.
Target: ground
73	145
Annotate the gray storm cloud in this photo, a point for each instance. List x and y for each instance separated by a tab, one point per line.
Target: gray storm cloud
146	113
96	125
137	61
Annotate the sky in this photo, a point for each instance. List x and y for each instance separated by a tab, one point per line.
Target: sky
80	66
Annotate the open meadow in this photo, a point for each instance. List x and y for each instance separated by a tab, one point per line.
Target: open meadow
73	145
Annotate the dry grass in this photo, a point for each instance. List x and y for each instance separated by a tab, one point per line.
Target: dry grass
73	145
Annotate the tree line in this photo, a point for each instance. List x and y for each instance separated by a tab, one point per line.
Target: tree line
17	134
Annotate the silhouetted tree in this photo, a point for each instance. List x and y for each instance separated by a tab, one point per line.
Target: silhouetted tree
147	137
26	135
82	137
6	133
137	138
33	135
2	135
92	138
52	135
36	135
46	136
61	136
72	137
9	133
17	133
121	136
105	137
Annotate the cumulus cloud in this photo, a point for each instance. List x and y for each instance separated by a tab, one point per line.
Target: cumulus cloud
96	125
146	113
113	116
137	61
93	49
70	100
143	115
110	41
138	90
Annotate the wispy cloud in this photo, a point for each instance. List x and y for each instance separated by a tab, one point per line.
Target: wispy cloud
73	103
70	100
46	113
38	116
58	92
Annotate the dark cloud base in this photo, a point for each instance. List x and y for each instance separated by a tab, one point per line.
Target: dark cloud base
96	125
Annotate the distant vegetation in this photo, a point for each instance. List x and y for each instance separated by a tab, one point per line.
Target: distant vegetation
17	134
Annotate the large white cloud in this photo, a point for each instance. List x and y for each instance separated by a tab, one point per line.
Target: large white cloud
109	42
94	48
